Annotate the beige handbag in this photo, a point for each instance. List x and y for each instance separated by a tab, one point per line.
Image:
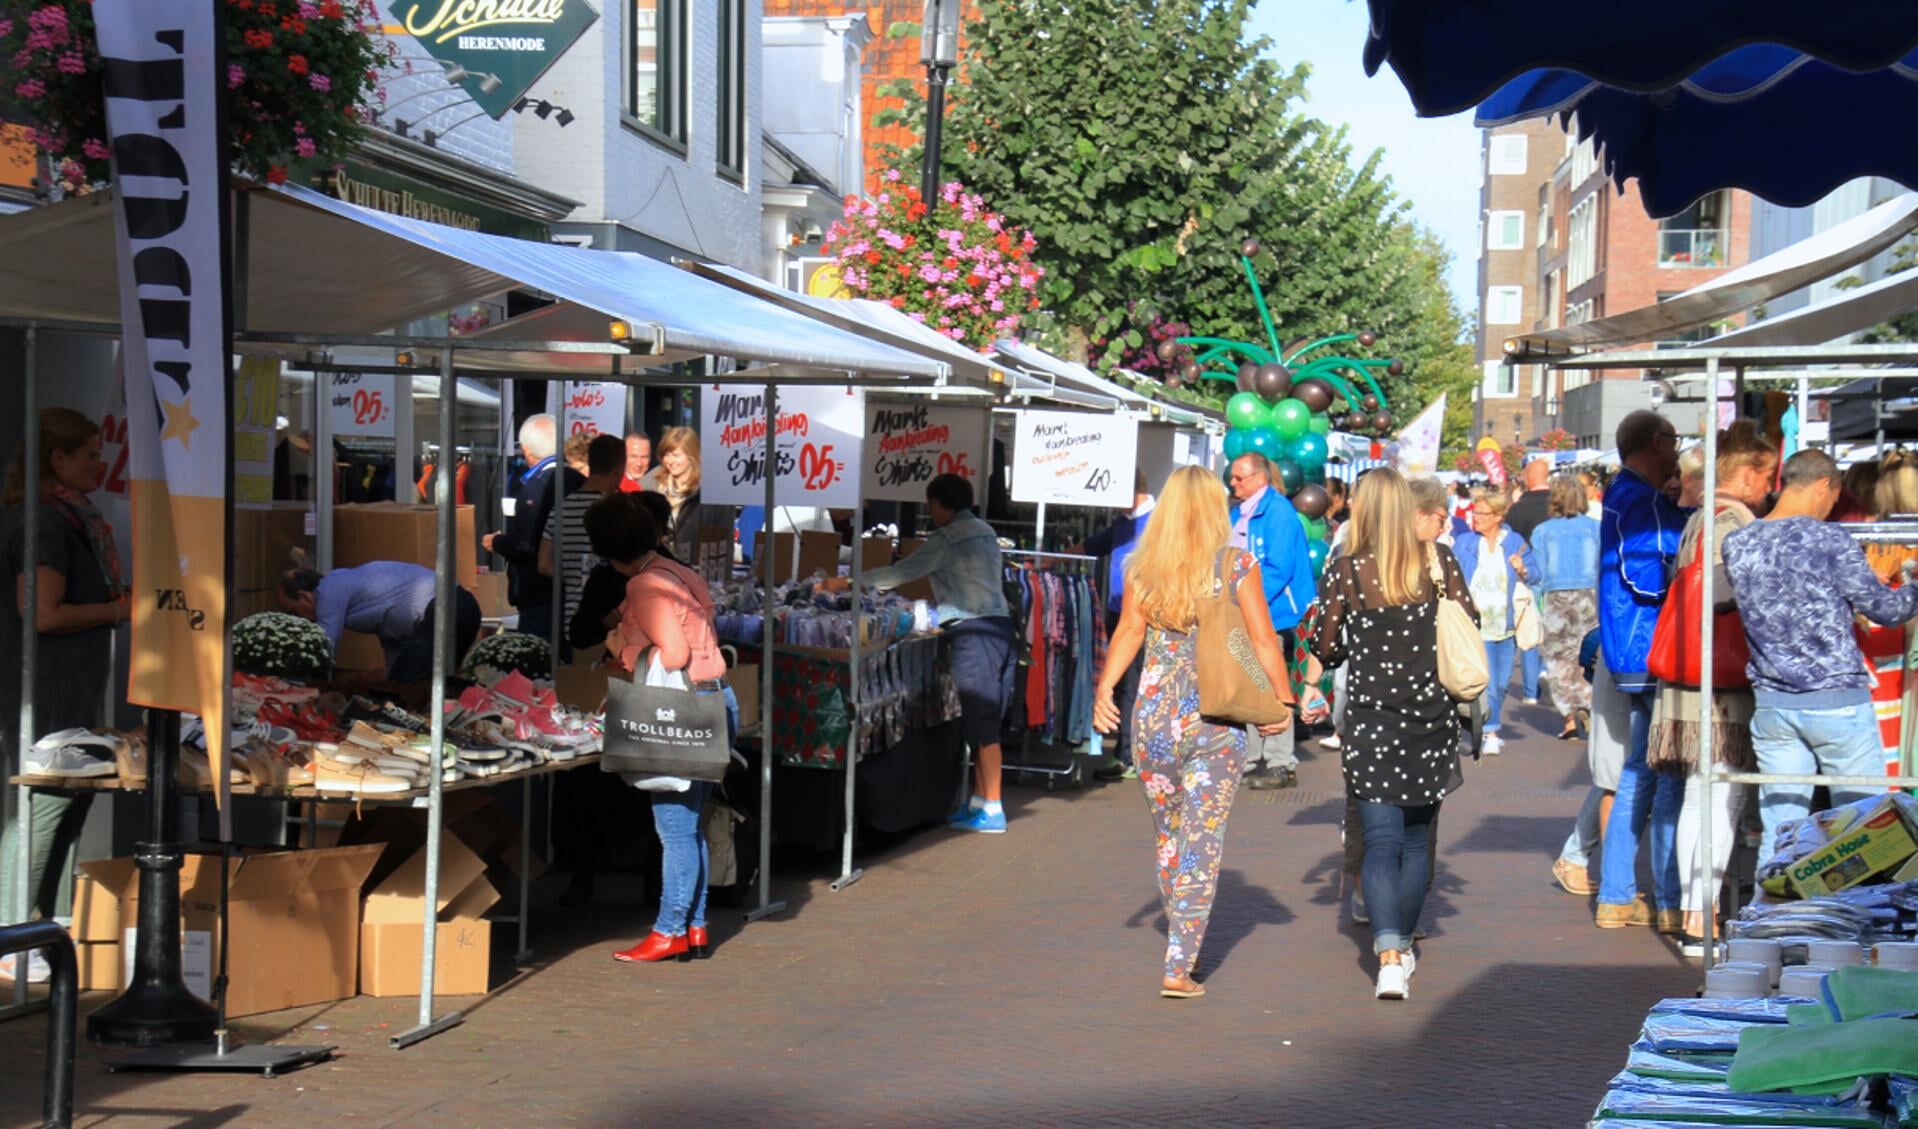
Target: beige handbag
1525	626
1463	668
1232	683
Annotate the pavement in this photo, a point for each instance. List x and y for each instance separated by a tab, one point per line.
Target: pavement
1009	980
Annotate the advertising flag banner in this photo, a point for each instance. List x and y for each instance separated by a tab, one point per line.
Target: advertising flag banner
1418	443
1491	457
160	66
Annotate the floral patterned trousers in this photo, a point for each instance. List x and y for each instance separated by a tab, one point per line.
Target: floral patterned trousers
1190	770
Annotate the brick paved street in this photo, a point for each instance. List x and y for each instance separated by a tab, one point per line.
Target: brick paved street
1012	981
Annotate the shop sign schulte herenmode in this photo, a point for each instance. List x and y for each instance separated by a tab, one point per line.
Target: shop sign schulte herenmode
515	40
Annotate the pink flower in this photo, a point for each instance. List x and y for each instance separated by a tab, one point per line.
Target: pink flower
31	88
309	11
39	41
6	28
235	75
51	19
72	62
320	83
96	149
305	147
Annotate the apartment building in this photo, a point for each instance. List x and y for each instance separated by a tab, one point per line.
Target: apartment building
1562	245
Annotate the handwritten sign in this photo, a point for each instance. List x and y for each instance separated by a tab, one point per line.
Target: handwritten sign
360	403
256	411
816	446
1074	459
593	407
908	445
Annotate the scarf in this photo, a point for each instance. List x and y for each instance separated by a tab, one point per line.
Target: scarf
82	515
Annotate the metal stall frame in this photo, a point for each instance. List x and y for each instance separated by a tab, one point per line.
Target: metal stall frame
1713	361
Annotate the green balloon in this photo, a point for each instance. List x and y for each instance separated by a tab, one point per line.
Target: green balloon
1246	410
1318	551
1314	527
1291	477
1321	424
1312	451
1291	418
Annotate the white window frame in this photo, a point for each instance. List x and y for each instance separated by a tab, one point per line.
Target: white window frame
1581	262
1504	305
1498	234
1507	155
1500	381
1584	161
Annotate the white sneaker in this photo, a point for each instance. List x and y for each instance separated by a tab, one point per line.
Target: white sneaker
1531	701
1392	983
1492	745
1409	961
72	761
38	970
1332	742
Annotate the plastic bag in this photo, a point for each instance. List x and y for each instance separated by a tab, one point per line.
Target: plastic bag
657	675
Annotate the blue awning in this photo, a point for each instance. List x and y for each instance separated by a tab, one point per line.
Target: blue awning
1452	54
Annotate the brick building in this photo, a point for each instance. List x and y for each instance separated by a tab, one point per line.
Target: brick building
1561	245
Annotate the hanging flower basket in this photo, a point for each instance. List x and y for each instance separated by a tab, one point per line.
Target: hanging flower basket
953	264
299	79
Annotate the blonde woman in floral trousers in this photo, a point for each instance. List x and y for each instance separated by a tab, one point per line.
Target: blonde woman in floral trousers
1189	766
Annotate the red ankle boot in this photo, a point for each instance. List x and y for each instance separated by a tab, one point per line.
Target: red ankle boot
655	947
698	943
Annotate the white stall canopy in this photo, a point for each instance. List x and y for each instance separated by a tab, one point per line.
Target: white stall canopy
1852	311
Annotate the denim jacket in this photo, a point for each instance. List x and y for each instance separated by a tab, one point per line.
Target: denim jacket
1510	544
1567	551
965	567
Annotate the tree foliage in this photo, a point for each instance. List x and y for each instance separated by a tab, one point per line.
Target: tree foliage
1143	144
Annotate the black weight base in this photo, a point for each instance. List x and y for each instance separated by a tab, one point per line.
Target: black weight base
261	1059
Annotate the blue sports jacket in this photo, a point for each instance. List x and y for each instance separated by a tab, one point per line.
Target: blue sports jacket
1276	540
1637	544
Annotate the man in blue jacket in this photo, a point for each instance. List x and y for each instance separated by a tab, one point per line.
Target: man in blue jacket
1637	544
1265	525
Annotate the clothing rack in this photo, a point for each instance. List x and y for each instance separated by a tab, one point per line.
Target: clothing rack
1077	565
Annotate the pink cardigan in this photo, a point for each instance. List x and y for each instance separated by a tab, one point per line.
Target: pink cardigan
669	606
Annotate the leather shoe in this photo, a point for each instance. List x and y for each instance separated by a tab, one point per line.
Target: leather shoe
1670	922
1617	917
1573	878
699	942
656	947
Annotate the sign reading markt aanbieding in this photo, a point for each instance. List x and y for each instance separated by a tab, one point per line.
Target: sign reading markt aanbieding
515	40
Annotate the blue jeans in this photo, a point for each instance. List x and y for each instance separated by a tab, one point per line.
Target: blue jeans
1529	666
1832	742
1643	795
682	890
1499	655
1397	870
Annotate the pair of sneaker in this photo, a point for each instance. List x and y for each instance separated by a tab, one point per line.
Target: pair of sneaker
72	754
978	820
1395	979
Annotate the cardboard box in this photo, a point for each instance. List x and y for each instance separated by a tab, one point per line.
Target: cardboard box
294	916
391	531
489	588
100	966
582	682
875	552
359	652
393	923
96	907
264	541
1863	841
818	552
745	680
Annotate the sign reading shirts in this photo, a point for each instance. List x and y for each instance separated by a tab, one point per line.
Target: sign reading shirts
908	445
1074	459
816	447
504	45
170	201
593	407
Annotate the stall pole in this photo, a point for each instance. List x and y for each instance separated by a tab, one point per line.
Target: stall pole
767	907
1804	407
325	465
847	873
443	618
21	861
555	636
1039	530
405	442
1704	884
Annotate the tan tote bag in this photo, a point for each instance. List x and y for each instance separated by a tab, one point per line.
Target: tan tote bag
1232	685
1463	669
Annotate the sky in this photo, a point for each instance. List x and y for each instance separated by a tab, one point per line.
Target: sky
1433	162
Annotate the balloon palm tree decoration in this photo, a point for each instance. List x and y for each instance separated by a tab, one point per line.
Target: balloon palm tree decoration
1283	408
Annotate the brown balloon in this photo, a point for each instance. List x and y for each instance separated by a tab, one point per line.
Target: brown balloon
1382	422
1248	373
1172	381
1312	501
1272	382
1396	368
1190	371
1368	339
1315	393
1249	248
1371	403
1167	349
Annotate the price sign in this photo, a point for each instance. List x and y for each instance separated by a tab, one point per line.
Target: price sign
256	409
816	446
592	407
361	403
1074	459
908	445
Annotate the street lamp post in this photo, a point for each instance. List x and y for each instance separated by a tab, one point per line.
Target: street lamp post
939	51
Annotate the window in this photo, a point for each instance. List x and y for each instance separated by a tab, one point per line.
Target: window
656	52
1554	301
1501	379
1545	217
1696	237
1508	155
1505	231
732	87
1504	305
1582	262
1584	161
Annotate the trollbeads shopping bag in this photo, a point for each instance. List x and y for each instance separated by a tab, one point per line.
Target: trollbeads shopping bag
654	730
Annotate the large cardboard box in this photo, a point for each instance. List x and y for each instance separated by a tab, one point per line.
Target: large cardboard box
100	969
1862	841
745	681
393	923
582	682
818	553
391	531
96	904
294	918
264	541
490	590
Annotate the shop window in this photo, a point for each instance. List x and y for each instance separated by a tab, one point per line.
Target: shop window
732	87
656	71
